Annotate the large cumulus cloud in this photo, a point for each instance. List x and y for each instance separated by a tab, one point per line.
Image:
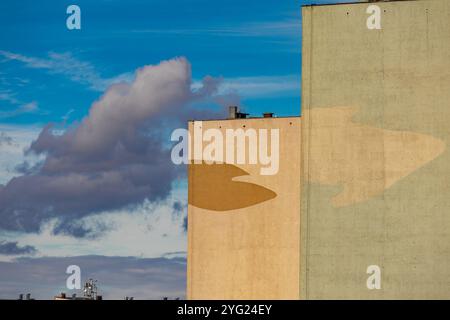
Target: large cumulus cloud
115	157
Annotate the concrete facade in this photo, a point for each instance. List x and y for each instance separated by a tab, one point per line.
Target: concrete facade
244	232
364	176
376	162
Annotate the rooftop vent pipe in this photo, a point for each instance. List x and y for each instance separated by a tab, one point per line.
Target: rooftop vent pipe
233	113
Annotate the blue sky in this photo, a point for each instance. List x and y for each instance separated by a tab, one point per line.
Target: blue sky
231	39
49	74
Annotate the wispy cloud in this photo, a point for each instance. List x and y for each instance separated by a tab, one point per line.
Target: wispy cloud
285	28
20	106
259	86
252	86
67	65
66	117
31	107
9	97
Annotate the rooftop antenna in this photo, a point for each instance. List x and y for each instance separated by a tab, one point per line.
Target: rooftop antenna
90	289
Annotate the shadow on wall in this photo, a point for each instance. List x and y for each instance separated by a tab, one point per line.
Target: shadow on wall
363	159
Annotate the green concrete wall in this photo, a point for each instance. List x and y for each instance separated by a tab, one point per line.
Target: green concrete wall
375	151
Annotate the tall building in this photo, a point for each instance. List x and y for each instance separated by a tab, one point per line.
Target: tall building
359	208
375	150
243	226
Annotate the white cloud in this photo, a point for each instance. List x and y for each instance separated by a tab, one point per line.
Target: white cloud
147	231
22	107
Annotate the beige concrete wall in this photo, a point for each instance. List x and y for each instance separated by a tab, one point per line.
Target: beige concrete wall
243	238
376	162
